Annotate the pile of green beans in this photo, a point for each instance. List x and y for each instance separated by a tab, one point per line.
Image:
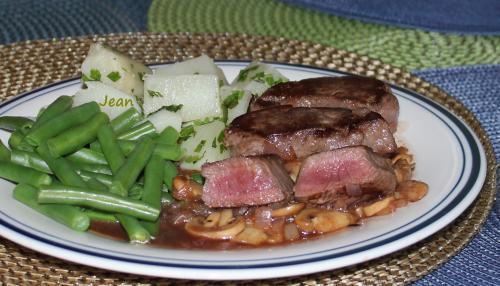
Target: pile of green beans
75	165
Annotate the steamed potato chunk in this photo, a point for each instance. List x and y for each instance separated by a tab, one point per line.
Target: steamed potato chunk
236	101
203	144
114	69
111	100
196	96
164	118
257	77
200	65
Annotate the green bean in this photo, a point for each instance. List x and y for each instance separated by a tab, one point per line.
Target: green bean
152	189
167	152
100	200
95	184
63	170
100	216
70	216
57	107
126	120
138	131
130	170
169	174
16	123
166	198
68	119
16	141
102	178
153	175
4	152
198	178
135	231
29	159
73	139
168	136
87	156
110	147
135	192
152	227
21	174
95	168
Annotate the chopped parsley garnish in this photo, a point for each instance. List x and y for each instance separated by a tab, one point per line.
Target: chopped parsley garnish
197	177
242	76
222	148
85	78
214	143
95	74
232	100
200	146
114	76
173	107
267	79
187	132
220	137
153	93
206	120
141	75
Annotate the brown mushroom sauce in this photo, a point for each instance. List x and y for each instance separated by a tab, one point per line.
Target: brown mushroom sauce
187	223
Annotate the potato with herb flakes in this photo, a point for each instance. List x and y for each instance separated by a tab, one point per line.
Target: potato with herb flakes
200	65
234	102
114	69
197	94
202	144
165	117
112	101
257	77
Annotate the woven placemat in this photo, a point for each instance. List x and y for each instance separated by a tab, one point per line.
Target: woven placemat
27	65
408	48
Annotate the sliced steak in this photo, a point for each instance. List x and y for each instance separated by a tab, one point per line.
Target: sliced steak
352	92
295	133
350	174
245	181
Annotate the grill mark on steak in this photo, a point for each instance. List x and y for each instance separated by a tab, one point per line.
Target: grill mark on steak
246	181
295	133
329	177
352	92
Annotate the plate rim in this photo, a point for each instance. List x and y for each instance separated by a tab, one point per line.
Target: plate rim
436	105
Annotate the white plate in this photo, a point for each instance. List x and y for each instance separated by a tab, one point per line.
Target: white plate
449	157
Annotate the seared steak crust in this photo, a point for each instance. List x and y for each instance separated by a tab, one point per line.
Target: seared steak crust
353	92
295	133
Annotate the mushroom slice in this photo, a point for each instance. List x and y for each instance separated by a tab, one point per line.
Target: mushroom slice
251	235
212	219
196	227
288	210
226	216
374	208
322	221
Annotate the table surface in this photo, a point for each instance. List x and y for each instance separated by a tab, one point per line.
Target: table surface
463	63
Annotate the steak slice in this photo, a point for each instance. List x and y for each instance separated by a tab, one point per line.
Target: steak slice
352	92
245	181
350	172
295	133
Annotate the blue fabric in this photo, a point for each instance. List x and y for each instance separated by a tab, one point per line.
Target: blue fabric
22	20
478	87
460	16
